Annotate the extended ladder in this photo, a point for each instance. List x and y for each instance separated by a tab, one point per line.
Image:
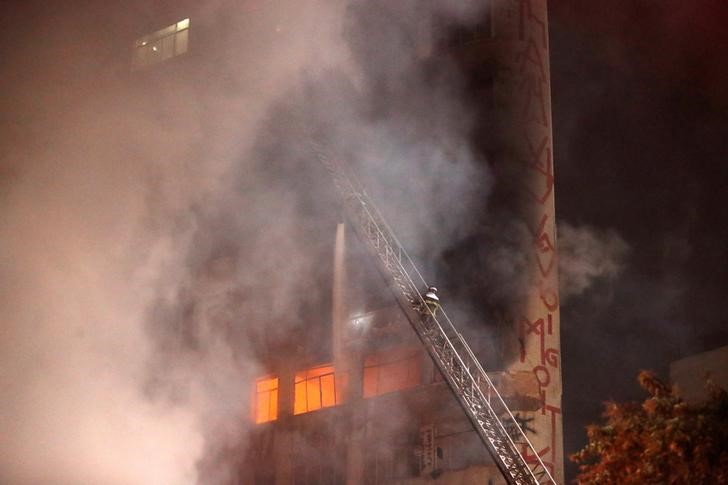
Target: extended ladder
506	442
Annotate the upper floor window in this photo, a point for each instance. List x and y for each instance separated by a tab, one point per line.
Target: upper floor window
391	371
265	405
317	388
161	45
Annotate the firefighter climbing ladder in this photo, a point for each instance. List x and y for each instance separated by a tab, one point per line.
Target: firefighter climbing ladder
484	406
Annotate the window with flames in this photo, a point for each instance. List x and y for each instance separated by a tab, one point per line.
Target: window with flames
318	388
265	404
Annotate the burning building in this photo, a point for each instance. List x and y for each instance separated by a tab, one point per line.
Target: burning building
342	390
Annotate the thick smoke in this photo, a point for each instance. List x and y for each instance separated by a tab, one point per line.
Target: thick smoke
152	252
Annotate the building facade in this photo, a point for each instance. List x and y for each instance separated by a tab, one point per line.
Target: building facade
367	405
691	374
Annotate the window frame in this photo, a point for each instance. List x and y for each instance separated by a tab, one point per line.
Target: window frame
161	45
310	381
387	361
272	399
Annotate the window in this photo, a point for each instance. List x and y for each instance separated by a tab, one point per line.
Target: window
317	388
391	371
266	399
161	45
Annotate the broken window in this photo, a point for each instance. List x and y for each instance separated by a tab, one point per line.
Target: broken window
161	45
391	371
317	388
265	406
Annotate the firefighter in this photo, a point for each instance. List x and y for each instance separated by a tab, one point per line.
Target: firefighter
432	300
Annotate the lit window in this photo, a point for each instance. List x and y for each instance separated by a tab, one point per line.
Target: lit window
266	399
390	371
161	45
317	388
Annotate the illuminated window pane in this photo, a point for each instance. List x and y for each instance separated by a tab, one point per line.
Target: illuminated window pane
273	405
317	388
313	394
328	391
181	42
299	404
161	45
267	384
266	399
391	371
262	407
319	371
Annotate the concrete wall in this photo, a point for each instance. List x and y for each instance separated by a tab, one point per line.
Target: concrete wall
523	96
689	375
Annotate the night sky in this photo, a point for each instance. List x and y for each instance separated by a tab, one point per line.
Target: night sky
640	96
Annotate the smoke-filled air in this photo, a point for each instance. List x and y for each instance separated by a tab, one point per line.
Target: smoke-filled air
159	236
150	252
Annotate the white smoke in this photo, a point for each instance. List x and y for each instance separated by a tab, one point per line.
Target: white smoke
113	211
99	220
588	256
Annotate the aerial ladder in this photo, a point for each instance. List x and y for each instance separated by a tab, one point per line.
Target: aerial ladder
497	427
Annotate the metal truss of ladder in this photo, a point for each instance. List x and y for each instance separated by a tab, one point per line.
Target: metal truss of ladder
506	442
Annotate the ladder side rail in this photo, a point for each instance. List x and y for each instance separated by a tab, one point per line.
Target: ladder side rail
510	419
394	238
374	213
487	423
450	361
458	376
360	203
379	224
482	375
350	186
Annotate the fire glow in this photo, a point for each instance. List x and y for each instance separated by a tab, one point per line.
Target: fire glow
321	387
